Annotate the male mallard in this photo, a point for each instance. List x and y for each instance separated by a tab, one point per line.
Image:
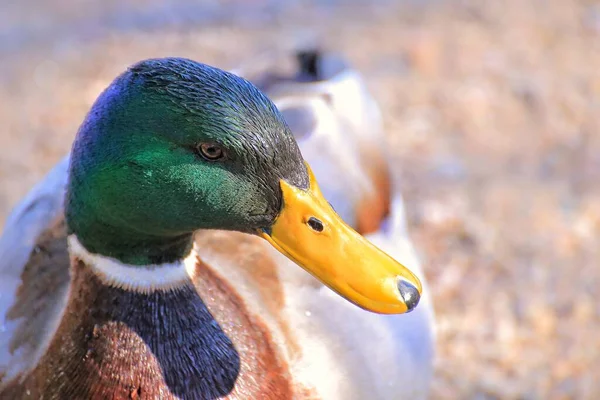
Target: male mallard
123	288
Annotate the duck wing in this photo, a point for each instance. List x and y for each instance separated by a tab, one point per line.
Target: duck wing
34	274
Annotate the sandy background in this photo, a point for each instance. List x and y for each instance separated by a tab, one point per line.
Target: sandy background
492	113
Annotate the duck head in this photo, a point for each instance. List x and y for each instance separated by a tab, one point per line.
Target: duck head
173	146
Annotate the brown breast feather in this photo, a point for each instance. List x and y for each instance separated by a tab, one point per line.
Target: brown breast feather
199	341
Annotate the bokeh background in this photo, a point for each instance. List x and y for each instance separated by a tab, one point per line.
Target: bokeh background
492	113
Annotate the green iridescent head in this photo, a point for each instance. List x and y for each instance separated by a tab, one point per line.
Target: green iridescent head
173	146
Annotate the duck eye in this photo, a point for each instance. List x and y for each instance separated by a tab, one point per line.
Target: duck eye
210	151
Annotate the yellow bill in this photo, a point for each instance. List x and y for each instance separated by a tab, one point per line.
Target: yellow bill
310	233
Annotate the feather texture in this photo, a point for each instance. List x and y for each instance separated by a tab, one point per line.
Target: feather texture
286	326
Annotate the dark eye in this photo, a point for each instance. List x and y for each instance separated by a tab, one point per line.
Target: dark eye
210	151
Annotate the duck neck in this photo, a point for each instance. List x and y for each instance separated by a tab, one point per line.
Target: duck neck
176	330
162	342
99	235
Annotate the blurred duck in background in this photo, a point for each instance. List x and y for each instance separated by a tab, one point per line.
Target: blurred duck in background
289	335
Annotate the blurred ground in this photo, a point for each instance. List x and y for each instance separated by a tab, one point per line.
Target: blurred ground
492	112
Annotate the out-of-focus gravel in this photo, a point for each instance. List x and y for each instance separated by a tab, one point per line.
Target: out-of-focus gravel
492	112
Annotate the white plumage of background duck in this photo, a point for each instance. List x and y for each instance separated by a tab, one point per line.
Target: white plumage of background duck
332	349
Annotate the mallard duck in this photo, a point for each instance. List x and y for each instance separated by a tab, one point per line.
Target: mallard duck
157	260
